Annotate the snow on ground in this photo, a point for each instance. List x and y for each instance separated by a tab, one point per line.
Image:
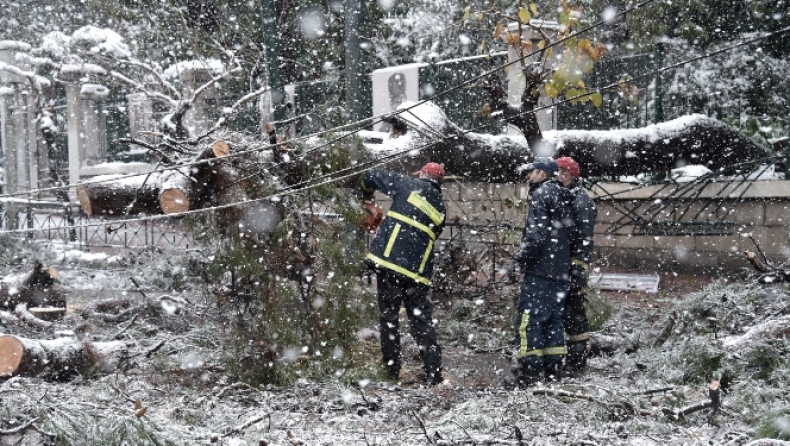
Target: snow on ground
177	383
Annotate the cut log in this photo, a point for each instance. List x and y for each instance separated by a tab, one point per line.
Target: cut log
220	149
59	358
176	191
36	289
116	195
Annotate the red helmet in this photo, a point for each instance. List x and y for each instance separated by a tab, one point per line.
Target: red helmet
568	164
433	170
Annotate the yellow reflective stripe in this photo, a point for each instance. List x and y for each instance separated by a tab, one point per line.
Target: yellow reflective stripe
536	352
391	241
422	204
398	269
426	255
555	351
522	334
581	263
412	222
577	338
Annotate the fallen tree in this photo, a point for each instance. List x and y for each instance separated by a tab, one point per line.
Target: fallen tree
694	139
61	357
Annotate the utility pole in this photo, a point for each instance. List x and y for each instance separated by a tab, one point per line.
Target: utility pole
271	43
354	88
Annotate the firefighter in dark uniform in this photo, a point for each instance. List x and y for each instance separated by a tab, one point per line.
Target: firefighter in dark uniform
575	320
543	258
401	255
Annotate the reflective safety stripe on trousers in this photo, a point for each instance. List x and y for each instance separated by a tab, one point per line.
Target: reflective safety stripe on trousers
524	346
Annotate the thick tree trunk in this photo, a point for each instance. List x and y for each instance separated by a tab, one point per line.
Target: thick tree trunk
196	186
695	139
136	195
59	358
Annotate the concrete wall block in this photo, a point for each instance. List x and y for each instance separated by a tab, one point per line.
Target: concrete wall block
679	244
745	242
460	211
451	190
777	213
606	212
776	241
717	243
503	191
748	213
475	191
605	240
635	242
615	257
656	259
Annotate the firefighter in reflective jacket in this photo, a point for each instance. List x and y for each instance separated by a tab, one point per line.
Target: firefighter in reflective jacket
576	323
543	258
401	254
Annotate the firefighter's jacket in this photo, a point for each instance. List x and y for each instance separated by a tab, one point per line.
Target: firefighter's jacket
585	215
404	241
546	241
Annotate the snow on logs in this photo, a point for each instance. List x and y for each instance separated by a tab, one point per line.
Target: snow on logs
191	187
172	191
61	357
118	195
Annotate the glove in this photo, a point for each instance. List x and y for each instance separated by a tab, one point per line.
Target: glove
578	272
373	216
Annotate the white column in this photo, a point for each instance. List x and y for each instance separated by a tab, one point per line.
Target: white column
85	125
204	111
17	126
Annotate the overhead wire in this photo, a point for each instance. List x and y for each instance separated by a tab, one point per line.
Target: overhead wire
353	125
356	170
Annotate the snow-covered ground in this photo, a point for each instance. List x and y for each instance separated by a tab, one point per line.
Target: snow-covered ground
174	388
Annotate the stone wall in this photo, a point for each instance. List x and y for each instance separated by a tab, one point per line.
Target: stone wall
762	212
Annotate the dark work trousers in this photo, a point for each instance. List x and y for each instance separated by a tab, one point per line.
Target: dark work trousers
540	337
394	291
577	326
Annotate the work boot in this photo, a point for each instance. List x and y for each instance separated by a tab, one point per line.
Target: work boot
434	380
525	376
576	360
393	373
552	369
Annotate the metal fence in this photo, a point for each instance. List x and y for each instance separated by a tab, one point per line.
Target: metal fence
650	106
67	224
462	106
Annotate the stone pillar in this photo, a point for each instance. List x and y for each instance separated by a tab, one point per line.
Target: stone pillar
86	125
18	134
204	111
516	80
141	114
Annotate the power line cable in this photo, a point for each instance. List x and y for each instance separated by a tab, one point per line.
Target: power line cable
357	124
330	178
